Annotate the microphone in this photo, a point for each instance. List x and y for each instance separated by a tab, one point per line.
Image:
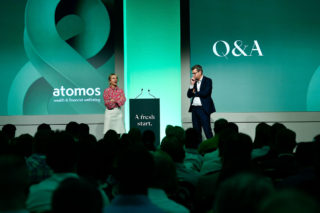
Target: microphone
150	93
139	94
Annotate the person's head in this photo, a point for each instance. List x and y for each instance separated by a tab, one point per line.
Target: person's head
165	175
113	80
263	135
43	127
41	140
84	129
285	141
289	200
23	145
197	72
134	169
9	130
242	193
174	148
73	128
76	195
169	130
62	153
149	139
135	135
220	125
14	182
192	138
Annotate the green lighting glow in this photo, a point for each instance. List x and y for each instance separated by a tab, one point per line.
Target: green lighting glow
152	55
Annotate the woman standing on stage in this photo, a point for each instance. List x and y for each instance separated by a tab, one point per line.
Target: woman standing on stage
113	99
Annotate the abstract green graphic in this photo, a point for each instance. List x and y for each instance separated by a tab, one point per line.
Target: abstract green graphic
313	97
58	79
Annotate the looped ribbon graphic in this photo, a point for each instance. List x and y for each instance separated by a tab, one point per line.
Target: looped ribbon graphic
53	62
313	95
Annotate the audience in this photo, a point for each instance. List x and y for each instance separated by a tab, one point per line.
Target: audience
62	158
72	171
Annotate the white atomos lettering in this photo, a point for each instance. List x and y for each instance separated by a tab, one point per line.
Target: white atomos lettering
76	92
239	48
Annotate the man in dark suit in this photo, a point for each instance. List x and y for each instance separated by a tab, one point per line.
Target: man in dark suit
201	102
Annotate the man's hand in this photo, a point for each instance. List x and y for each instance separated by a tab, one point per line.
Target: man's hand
192	81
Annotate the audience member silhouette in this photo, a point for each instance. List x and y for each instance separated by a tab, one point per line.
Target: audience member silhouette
62	158
73	129
44	127
243	192
289	201
76	195
285	163
149	140
193	159
36	163
134	169
164	184
9	130
23	145
211	144
14	183
262	141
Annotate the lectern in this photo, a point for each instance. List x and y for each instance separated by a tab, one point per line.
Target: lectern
145	115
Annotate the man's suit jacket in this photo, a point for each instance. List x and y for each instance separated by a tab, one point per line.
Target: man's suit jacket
204	94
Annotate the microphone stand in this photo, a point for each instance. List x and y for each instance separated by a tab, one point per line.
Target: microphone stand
151	94
139	94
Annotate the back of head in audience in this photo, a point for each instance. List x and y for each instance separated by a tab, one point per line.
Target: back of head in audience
242	193
285	141
274	131
192	138
135	135
76	195
9	130
43	127
165	176
23	145
41	141
172	146
134	169
262	135
233	126
84	129
73	128
289	201
235	152
220	125
62	153
149	139
14	182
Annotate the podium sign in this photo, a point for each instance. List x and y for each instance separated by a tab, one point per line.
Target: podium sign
145	115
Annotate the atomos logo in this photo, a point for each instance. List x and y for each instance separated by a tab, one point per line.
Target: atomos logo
57	92
222	48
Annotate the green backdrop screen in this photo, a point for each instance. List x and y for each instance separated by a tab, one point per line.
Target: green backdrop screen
263	56
56	56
